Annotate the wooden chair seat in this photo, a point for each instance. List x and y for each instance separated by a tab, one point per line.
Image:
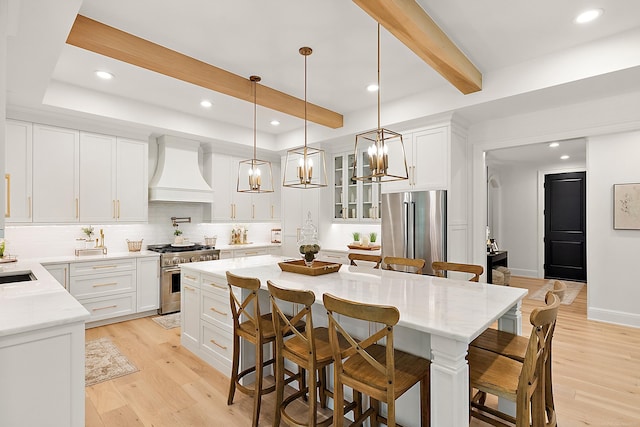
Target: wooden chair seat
504	343
409	369
440	267
408	265
493	373
372	368
310	350
247	328
353	257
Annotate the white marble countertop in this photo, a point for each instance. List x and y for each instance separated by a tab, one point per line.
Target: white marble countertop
37	304
73	258
454	309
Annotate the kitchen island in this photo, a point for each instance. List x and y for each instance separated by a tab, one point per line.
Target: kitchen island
41	349
438	318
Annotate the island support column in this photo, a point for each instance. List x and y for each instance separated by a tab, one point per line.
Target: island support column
449	383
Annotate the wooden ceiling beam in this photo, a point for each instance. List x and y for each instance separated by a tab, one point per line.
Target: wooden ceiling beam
96	37
408	21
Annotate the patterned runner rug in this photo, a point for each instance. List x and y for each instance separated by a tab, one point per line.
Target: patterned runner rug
573	289
168	321
103	361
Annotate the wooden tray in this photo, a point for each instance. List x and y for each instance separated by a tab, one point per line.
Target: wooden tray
318	267
8	258
364	248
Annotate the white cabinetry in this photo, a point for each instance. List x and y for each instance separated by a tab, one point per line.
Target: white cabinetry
354	199
60	272
55	174
18	158
43	377
147	284
113	177
334	256
427	152
229	204
216	323
105	288
190	310
248	250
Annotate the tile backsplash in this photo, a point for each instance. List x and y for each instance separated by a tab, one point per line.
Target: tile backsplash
39	241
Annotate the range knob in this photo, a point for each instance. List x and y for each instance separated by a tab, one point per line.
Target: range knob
203	257
175	261
194	258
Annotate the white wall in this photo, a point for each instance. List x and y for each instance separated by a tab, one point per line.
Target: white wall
612	255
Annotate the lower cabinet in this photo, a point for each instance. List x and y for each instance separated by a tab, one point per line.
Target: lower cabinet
112	288
60	271
334	256
250	251
190	310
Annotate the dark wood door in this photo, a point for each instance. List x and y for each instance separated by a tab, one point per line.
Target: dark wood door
565	226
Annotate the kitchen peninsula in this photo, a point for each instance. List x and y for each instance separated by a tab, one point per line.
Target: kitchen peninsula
41	349
438	319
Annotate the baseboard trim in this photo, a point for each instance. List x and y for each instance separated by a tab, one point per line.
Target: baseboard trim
523	272
615	317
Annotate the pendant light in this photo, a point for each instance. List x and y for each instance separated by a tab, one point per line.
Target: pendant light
254	175
385	155
305	166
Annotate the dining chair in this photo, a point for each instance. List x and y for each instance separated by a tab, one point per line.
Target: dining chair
519	382
353	257
372	365
309	349
256	329
408	265
441	267
514	347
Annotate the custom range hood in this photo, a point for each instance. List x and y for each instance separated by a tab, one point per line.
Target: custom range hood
177	177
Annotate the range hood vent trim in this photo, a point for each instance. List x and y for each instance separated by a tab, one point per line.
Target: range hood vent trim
177	177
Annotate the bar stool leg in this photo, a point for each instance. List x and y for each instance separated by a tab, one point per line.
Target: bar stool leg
257	388
234	369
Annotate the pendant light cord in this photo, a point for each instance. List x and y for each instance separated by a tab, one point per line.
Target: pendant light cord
305	106
378	75
255	109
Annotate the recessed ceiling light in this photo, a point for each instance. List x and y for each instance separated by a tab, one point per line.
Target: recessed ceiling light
554	144
372	87
105	75
206	103
564	157
274	123
588	16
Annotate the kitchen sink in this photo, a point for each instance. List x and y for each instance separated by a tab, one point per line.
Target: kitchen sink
14	277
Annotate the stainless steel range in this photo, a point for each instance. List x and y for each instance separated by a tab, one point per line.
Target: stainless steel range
171	256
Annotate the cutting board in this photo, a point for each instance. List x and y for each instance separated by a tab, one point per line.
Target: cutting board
364	248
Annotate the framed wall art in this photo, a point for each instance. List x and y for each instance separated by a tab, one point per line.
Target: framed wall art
626	206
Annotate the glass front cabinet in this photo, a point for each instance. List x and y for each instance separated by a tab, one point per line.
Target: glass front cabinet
354	200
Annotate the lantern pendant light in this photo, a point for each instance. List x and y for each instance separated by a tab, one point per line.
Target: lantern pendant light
305	167
386	159
254	175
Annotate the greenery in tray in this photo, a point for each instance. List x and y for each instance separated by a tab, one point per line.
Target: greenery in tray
309	251
373	237
356	236
88	231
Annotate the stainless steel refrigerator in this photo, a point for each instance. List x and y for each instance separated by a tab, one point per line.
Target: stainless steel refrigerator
414	225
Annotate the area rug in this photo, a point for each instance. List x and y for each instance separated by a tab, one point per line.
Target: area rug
573	289
103	361
168	321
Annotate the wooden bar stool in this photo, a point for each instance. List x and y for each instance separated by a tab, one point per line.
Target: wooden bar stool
515	347
377	259
520	382
408	265
258	330
440	267
377	370
309	349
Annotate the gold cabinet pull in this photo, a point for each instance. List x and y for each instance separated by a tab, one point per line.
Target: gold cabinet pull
190	277
118	204
77	208
99	285
218	311
224	347
272	215
217	286
29	206
189	288
7	178
104	308
96	267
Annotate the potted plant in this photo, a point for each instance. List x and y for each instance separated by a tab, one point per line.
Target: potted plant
178	239
356	237
373	236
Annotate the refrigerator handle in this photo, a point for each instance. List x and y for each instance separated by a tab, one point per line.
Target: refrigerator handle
411	221
405	212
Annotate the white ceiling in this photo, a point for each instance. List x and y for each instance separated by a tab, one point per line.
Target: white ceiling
249	37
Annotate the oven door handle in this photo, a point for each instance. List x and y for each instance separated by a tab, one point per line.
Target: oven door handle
172	270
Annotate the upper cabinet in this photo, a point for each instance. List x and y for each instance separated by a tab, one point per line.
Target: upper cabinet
55	174
354	199
18	158
427	154
62	175
221	172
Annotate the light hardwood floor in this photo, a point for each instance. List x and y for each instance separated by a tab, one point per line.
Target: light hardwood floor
596	376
